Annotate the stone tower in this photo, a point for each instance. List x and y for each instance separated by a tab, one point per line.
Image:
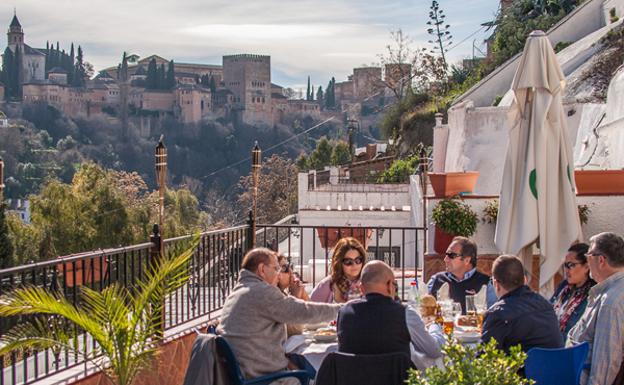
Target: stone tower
15	35
249	79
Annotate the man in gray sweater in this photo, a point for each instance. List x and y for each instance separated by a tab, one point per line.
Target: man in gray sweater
254	316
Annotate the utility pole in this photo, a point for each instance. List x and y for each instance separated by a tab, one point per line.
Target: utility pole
161	180
1	181
352	126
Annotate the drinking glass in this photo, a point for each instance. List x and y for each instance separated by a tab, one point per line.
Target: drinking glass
471	308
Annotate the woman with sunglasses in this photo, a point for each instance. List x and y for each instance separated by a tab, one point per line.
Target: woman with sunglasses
347	261
570	298
290	284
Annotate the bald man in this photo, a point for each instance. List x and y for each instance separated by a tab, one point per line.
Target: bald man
376	324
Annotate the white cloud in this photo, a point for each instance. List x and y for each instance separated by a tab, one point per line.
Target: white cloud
321	38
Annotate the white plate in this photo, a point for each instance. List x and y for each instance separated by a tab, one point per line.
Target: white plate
325	337
315	326
467	337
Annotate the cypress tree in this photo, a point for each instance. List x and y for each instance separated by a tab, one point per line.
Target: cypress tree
319	94
6	247
8	73
160	82
312	93
308	90
16	70
72	63
79	70
213	85
47	59
152	74
170	81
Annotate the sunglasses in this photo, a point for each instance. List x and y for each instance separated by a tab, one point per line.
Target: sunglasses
452	255
285	268
352	261
570	265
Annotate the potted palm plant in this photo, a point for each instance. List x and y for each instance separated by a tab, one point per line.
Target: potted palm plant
452	217
125	323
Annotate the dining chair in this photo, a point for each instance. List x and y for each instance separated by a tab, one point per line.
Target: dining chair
556	366
370	369
236	376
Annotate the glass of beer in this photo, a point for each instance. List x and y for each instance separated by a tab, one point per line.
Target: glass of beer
448	325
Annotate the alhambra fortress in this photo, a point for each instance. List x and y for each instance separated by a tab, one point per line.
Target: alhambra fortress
240	88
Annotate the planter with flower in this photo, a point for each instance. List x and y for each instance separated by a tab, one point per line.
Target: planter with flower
452	217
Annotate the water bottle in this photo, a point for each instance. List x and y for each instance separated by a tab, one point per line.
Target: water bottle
413	298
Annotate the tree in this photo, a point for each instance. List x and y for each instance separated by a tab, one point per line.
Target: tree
124	322
340	153
124	86
213	84
312	93
321	156
308	91
79	70
277	190
439	31
405	64
152	75
6	246
330	96
170	81
319	94
161	78
9	74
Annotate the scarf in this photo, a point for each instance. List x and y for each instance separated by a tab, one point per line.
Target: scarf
569	299
343	286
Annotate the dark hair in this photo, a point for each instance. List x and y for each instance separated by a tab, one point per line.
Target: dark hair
255	257
611	246
508	271
580	249
468	249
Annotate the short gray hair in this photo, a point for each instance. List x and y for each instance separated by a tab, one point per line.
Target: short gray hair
611	246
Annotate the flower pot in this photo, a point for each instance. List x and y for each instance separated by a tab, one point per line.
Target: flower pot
329	236
599	182
449	184
441	241
83	271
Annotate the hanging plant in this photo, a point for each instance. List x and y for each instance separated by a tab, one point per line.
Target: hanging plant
455	217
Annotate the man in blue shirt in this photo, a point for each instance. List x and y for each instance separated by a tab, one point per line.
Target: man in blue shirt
461	273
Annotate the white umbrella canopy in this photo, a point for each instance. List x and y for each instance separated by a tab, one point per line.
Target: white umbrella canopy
538	200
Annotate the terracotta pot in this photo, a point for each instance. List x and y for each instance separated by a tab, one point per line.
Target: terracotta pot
599	182
442	241
86	271
449	184
331	235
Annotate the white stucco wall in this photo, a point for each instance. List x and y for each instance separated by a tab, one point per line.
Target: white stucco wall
585	19
605	215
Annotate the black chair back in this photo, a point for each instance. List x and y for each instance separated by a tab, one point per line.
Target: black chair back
373	369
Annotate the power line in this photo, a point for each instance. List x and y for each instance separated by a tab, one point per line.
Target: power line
466	38
268	149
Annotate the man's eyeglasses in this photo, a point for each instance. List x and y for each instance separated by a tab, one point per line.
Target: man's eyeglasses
570	265
452	255
593	253
351	261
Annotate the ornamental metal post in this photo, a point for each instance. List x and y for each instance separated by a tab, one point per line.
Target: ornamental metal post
424	169
352	126
161	181
256	163
1	181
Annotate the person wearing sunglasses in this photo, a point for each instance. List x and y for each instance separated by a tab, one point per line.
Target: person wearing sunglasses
290	284
461	273
570	298
343	283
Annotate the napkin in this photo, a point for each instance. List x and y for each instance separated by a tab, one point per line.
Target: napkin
481	298
443	292
293	342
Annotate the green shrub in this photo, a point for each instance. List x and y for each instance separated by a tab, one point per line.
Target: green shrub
490	211
400	170
454	217
463	366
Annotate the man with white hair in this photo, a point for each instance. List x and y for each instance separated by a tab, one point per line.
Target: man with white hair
376	324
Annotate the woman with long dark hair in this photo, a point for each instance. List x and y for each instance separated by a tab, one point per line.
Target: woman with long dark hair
570	298
348	258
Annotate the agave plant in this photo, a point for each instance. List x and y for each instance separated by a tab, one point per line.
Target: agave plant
124	323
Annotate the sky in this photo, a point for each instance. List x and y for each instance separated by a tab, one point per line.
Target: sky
320	38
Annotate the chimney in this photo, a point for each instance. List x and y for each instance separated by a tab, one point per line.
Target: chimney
371	151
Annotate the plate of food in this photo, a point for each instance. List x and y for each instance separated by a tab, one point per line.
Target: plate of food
468	336
315	326
325	335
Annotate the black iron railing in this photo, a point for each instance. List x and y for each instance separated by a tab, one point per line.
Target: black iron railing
213	273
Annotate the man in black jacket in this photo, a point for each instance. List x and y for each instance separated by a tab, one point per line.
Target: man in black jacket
461	273
520	316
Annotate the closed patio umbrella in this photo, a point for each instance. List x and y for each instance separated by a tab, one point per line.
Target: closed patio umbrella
537	199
